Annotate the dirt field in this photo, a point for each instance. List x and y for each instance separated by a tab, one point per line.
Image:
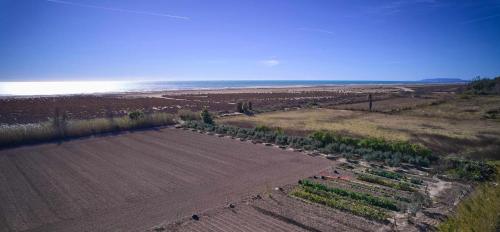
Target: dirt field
137	180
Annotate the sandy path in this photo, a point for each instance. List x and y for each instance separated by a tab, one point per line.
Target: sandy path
137	180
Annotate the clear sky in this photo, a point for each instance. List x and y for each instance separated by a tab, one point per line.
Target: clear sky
248	39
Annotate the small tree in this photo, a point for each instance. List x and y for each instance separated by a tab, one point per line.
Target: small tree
206	117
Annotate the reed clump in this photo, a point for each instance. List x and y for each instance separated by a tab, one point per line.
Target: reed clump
59	127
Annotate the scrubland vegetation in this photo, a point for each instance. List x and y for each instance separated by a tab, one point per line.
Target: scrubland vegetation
484	86
479	212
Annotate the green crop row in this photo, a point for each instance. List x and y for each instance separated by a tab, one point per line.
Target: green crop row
330	200
394	176
362	197
395	185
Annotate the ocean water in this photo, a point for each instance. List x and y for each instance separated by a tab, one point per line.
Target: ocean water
90	87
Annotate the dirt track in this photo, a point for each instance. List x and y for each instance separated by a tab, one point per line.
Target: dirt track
135	181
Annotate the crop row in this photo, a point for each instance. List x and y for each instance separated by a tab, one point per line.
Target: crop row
384	192
362	197
333	201
312	142
394	176
395	185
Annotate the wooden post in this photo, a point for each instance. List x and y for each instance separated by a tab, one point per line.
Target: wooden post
370	102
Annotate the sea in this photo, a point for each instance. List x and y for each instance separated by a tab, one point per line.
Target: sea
103	87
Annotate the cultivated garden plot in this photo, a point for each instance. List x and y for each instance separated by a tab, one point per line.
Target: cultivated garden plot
337	199
352	195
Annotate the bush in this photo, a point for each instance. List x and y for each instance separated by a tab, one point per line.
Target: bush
244	107
136	115
484	86
206	116
469	169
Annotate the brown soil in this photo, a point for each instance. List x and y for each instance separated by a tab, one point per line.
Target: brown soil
275	211
137	180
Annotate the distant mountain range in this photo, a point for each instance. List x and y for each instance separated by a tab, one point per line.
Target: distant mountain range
444	80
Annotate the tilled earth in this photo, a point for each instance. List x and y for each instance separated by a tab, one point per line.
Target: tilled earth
137	180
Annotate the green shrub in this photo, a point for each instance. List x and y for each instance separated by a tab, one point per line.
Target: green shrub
136	115
469	169
206	116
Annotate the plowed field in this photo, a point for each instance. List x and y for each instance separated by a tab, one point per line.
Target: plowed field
134	181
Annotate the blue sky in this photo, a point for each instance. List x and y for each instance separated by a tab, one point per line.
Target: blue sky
248	39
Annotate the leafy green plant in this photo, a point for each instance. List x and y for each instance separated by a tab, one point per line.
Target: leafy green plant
363	197
330	200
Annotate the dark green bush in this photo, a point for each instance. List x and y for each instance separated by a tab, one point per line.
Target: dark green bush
206	116
136	115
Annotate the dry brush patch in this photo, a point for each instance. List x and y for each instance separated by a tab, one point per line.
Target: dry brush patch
433	132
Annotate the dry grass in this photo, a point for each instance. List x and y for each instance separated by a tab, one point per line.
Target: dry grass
391	105
479	212
460	108
388	126
39	132
442	134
